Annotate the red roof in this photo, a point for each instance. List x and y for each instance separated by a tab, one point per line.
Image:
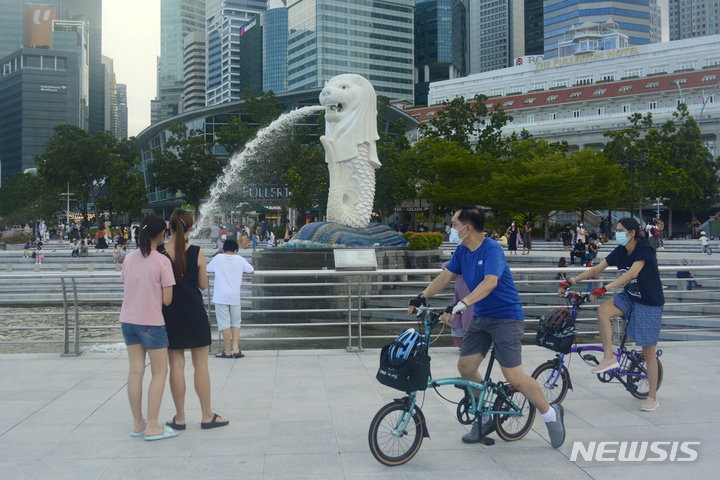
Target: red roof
620	88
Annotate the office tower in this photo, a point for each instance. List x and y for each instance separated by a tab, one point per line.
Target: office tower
110	95
154	111
39	89
497	34
224	22
122	112
11	26
193	71
250	58
638	19
372	38
90	11
177	19
694	18
534	28
440	43
274	23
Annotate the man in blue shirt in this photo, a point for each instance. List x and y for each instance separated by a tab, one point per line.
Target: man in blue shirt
497	317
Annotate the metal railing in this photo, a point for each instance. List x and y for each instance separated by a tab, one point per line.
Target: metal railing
373	300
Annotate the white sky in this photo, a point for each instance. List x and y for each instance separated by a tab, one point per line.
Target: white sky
131	37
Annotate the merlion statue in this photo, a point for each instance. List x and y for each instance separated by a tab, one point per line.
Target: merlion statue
350	151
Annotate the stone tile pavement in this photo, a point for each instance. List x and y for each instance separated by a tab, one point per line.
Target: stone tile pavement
305	414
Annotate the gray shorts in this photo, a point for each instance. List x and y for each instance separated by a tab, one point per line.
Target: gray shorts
507	333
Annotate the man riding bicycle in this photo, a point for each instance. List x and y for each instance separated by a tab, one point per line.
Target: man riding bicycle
497	317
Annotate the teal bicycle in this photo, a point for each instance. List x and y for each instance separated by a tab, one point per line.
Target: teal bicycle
398	429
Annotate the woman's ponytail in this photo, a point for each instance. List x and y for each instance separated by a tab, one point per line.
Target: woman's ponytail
150	227
180	223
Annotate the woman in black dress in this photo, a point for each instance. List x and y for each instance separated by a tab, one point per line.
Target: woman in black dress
512	238
187	322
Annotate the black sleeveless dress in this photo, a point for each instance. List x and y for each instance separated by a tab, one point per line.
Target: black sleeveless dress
186	319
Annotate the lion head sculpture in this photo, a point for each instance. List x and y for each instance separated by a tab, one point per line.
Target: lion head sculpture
351	116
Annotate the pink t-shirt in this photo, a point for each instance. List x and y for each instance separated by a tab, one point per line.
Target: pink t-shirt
144	279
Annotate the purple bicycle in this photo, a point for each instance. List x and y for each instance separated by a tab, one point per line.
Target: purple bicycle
553	375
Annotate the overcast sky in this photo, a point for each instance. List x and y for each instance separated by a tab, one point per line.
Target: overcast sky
131	37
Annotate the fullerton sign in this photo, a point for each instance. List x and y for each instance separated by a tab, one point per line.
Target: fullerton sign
586	58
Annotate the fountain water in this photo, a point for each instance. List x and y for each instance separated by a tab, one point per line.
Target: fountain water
230	181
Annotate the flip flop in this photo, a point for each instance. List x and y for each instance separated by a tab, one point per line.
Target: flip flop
223	355
214	423
167	433
176	426
238	354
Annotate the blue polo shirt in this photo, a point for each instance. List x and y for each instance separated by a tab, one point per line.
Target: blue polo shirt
488	259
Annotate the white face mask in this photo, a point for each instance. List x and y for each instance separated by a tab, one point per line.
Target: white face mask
455	236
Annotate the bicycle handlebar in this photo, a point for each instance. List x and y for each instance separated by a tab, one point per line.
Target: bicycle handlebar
435	315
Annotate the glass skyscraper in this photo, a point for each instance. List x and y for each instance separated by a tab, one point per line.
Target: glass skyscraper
638	19
177	19
224	28
440	43
372	38
275	49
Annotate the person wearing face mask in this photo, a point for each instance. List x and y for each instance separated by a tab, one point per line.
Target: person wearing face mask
641	301
497	317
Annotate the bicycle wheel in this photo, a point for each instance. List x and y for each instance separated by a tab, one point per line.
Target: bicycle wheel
642	383
389	446
709	251
554	392
513	427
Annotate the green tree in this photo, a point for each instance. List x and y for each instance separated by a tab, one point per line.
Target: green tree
26	198
187	165
257	113
126	187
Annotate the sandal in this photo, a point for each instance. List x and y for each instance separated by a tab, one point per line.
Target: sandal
174	425
239	354
223	355
214	423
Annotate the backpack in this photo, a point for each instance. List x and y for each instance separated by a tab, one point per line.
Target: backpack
655	232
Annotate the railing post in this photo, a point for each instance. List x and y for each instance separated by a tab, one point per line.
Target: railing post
66	321
360	295
77	318
349	296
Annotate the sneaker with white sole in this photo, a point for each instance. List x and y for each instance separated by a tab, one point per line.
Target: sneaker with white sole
650	404
556	429
604	366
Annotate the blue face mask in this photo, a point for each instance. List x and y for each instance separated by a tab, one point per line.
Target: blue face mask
455	236
621	238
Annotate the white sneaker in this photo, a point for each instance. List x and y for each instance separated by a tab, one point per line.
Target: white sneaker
650	404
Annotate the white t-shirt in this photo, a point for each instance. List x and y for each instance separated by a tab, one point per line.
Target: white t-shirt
703	240
228	271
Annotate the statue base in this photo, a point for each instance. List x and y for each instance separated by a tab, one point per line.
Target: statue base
337	235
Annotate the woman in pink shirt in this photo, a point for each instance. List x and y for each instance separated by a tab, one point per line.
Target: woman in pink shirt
148	280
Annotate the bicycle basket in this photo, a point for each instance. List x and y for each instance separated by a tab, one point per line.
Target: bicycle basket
409	375
556	331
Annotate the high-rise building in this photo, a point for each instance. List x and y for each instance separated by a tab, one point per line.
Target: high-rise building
534	28
274	23
177	19
111	112
154	111
638	19
497	34
223	30
693	18
39	89
193	71
251	57
122	112
372	38
440	43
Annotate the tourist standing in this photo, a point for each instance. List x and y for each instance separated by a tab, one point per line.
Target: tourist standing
148	279
513	238
229	268
527	239
187	322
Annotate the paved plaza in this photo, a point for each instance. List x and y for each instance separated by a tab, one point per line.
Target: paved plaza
305	414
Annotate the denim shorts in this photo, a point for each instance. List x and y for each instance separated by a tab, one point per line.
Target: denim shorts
151	337
228	316
643	321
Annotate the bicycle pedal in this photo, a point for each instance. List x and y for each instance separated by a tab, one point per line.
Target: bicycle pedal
487	441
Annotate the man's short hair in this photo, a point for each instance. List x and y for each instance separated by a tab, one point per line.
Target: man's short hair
230	246
473	215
